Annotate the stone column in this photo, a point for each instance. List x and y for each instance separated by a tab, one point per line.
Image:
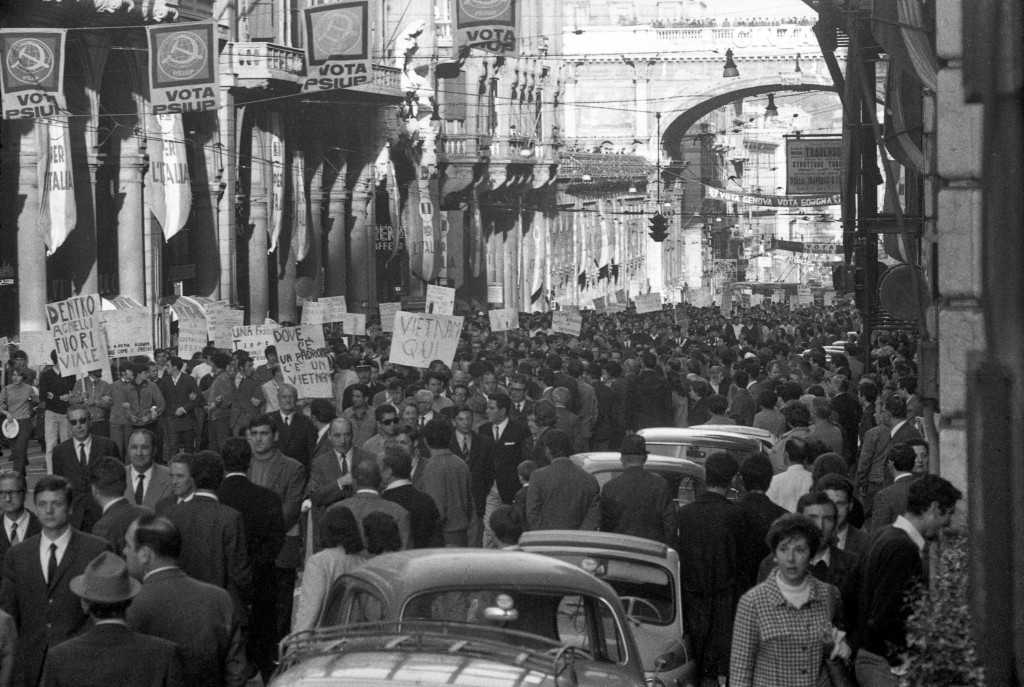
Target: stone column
335	196
361	278
31	247
131	263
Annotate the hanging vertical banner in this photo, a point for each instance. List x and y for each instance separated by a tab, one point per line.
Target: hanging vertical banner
57	212
338	45
183	60
455	258
424	248
300	223
539	262
276	211
32	73
169	180
486	24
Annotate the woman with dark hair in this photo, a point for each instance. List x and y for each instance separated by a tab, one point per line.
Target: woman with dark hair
786	627
381	533
343	551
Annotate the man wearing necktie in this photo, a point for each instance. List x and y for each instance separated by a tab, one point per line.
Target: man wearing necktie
476	449
19	523
36	574
72	460
511	447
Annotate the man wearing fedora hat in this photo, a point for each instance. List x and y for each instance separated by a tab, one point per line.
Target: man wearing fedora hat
638	502
110	653
36	572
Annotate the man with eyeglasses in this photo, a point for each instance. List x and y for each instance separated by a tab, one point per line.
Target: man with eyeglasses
19	522
72	460
521	405
387	428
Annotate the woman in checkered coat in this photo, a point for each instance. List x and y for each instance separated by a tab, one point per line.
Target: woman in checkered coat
787	626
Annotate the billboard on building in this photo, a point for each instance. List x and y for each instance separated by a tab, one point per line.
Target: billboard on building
183	61
814	165
486	24
32	73
338	45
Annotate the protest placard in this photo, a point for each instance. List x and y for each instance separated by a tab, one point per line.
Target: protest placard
348	324
211	309
726	303
601	304
648	302
37	346
253	339
828	298
78	334
333	307
440	300
779	296
621	297
387	316
756	299
566	322
616	307
503	319
744	300
129	332
803	295
223	322
420	338
302	353
312	313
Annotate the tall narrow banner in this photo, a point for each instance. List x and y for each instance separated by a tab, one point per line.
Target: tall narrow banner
300	216
275	133
169	180
57	212
539	261
32	73
338	45
486	24
183	60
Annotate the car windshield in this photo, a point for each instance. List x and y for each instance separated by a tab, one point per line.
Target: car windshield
645	589
584	622
685	487
693	452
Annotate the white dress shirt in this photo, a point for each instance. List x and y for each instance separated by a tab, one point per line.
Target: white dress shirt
22	524
44	549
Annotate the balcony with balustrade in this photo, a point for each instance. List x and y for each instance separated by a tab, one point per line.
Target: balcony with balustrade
264	65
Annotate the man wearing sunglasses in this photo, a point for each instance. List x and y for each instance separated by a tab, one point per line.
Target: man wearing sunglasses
387	428
72	460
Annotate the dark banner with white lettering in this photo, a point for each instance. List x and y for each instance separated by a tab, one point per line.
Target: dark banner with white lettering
486	24
183	61
32	73
338	45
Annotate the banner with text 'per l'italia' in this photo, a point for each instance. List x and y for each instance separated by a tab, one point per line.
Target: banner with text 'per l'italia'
58	213
183	61
32	73
338	45
168	182
486	24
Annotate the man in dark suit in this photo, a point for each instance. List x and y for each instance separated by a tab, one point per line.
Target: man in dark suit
893	428
109	653
39	598
741	405
602	432
212	534
521	405
199	617
511	444
155	482
424	519
649	397
568	422
72	460
475	449
638	502
890	569
107	479
756	472
180	393
296	434
713	541
562	496
847	537
264	537
19	523
321	413
366	480
848	414
331	478
892	501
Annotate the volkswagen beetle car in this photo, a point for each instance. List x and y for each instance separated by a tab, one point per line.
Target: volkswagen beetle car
550	606
645	574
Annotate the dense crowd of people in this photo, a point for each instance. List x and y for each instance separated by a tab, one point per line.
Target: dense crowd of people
183	500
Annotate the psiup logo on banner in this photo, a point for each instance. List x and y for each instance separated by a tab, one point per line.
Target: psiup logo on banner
338	45
183	68
32	73
486	24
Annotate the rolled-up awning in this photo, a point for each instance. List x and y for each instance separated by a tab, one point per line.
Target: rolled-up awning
899	27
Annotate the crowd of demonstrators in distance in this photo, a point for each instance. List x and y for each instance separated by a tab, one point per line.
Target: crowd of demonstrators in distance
218	483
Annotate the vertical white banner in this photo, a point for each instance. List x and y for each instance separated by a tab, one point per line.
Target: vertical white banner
300	223
57	212
276	210
174	175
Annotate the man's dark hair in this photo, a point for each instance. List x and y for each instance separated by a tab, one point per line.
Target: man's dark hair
796	451
930	489
436	374
720	469
438	433
338	527
381	531
366	474
52	483
108	610
869	390
502	401
177	362
767	399
383	409
263	420
718	404
220	359
207	470
159	534
740	378
815	498
237	455
908	384
796	414
789	391
794	525
700	387
323	410
903	457
398	461
649	360
558	442
613	368
506	524
757	472
896	407
835	482
108	476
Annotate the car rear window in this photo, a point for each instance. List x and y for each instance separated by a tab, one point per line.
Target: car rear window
685	487
696	453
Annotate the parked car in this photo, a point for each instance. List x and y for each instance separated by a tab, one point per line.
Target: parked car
766	438
685	478
550	606
645	574
425	653
697	443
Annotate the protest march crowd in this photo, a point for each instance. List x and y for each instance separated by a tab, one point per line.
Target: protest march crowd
184	501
